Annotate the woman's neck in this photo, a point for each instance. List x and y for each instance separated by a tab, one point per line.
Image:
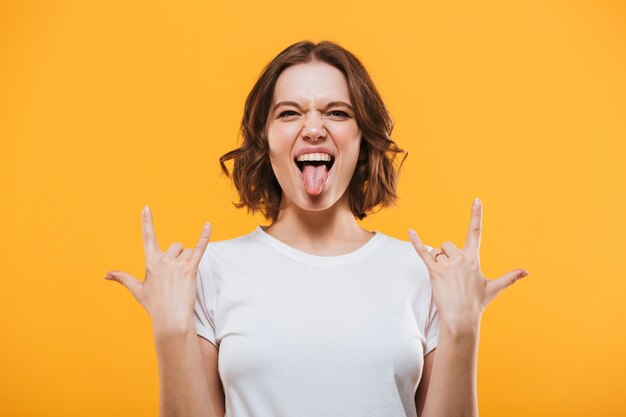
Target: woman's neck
330	230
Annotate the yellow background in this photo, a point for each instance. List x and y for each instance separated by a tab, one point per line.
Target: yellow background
106	106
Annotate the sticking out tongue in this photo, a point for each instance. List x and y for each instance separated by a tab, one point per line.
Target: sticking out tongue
314	178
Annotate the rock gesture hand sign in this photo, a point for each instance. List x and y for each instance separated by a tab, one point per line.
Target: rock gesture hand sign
460	290
168	291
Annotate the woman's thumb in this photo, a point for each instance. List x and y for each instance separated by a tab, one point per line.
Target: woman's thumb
507	279
127	280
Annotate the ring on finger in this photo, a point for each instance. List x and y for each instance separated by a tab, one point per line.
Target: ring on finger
440	253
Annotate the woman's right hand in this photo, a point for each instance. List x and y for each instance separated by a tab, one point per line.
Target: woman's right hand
168	292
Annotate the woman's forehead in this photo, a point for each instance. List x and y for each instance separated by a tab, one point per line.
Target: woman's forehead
311	82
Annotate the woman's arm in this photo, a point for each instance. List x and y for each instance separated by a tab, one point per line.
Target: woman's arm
168	294
422	389
461	294
210	357
452	384
183	384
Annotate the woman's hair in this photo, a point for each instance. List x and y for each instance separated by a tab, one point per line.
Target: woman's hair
375	177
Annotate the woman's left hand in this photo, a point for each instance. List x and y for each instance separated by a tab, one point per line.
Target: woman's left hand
460	290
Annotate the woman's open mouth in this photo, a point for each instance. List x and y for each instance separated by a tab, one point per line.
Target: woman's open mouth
328	164
314	174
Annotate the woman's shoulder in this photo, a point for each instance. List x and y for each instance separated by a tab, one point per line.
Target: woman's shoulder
402	252
400	244
234	247
235	242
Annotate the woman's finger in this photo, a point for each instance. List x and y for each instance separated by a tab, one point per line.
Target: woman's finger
127	280
185	255
472	242
174	250
422	250
202	244
498	284
450	249
439	256
150	245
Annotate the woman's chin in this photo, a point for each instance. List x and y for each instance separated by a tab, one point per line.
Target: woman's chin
319	202
305	201
325	200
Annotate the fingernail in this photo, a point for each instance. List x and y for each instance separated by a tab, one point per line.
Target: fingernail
523	274
477	201
145	210
206	226
412	233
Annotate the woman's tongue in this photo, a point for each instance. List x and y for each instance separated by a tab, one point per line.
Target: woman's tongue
314	178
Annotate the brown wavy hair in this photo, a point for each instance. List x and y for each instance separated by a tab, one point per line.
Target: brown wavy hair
375	177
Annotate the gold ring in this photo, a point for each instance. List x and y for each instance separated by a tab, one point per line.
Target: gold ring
440	253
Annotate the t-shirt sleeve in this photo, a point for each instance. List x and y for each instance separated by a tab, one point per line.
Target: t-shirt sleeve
206	297
432	327
431	330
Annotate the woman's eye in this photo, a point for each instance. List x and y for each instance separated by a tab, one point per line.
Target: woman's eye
286	113
337	113
340	113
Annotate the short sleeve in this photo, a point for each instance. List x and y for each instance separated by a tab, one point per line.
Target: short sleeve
206	297
431	329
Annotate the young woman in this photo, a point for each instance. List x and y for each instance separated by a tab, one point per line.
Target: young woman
314	315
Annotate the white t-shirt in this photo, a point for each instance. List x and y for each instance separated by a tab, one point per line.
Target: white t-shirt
304	335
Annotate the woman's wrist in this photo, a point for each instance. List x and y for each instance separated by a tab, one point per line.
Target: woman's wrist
170	326
461	328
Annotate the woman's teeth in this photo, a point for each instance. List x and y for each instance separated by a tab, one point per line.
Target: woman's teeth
314	157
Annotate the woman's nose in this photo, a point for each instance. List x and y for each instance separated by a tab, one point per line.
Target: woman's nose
313	128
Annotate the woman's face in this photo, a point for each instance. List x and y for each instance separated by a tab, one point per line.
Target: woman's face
311	114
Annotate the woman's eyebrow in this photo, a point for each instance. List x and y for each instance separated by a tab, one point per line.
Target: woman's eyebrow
293	103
